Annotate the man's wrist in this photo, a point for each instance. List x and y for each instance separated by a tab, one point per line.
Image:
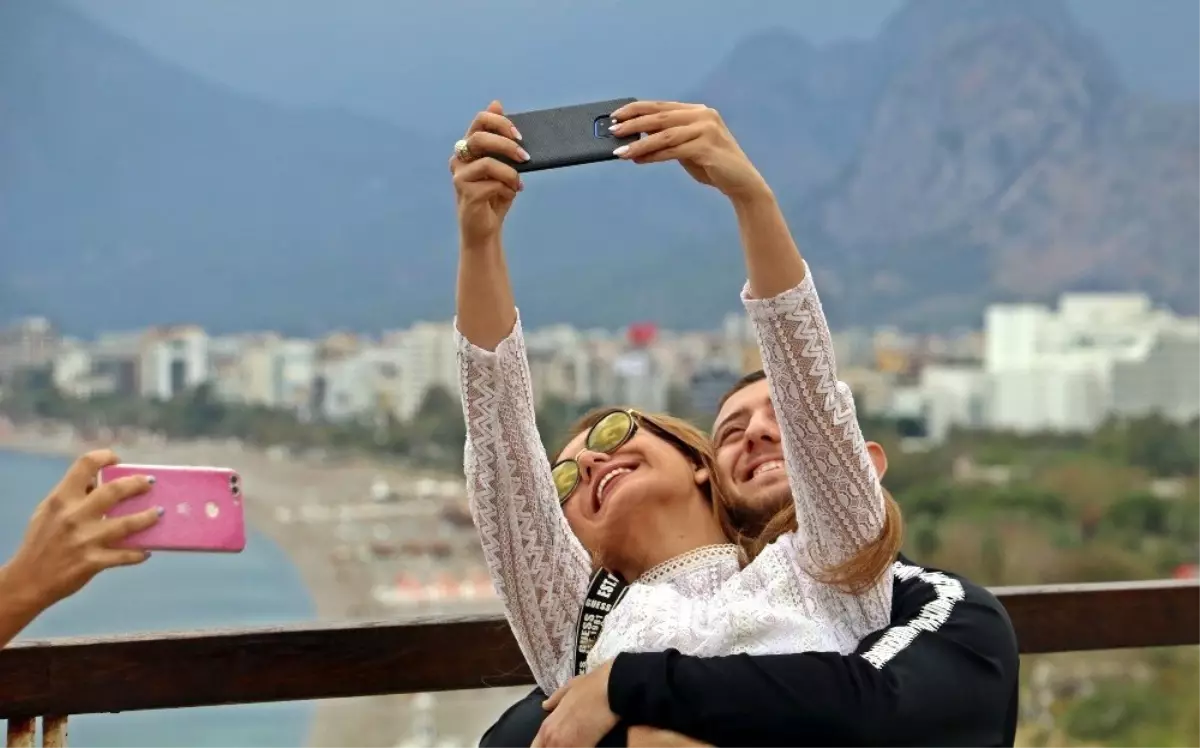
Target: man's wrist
629	683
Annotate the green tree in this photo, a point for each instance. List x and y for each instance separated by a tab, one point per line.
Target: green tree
438	431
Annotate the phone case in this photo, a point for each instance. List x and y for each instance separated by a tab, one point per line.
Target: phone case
202	508
568	136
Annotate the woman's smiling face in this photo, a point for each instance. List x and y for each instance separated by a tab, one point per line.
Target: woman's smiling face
624	498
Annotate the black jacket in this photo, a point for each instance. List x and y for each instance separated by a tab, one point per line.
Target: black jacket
943	673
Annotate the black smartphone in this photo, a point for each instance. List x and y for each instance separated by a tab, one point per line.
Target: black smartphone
568	136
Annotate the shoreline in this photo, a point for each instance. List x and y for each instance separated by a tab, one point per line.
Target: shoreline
300	503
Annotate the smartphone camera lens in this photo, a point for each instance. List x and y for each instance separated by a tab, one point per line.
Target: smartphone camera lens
601	125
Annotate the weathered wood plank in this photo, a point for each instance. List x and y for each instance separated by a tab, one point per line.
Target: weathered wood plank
205	668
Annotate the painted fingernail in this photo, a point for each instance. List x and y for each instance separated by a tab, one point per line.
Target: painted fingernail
523	154
150	479
159	511
520	186
620	152
613	117
614	126
517	134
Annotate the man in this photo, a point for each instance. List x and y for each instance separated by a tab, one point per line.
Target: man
944	672
69	541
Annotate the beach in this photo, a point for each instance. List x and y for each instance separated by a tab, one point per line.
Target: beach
369	540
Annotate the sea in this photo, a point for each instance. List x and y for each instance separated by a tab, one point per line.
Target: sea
170	592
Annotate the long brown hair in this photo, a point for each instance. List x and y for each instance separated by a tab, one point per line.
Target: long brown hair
859	572
856	574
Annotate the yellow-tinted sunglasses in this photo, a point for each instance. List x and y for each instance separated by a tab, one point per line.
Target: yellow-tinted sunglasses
607	436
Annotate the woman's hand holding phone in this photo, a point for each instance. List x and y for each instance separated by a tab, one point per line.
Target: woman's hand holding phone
696	137
69	540
485	187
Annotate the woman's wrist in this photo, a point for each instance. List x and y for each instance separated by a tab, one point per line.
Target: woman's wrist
476	244
19	601
753	197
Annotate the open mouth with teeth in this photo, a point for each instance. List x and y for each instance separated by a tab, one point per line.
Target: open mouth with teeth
770	466
610	479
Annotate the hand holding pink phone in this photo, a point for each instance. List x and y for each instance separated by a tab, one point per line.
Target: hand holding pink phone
202	508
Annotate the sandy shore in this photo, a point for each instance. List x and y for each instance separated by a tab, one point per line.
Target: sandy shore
334	559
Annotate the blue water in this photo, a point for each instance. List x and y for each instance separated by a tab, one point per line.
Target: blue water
171	591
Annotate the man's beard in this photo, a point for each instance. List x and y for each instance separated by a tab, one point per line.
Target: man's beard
752	513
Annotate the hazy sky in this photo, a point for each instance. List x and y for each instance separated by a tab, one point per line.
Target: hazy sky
371	55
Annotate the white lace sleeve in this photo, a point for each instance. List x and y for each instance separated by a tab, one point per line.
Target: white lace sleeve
839	502
539	568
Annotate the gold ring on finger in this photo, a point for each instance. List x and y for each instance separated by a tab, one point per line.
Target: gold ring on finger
463	150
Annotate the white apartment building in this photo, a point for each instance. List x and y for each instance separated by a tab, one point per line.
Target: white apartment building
173	360
558	364
344	388
390	378
31	342
953	396
1097	354
427	357
264	370
874	391
293	371
1164	377
72	370
640	381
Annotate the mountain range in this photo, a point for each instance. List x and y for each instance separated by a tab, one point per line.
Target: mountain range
973	151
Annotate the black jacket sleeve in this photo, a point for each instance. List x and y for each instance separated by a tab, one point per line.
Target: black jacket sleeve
953	684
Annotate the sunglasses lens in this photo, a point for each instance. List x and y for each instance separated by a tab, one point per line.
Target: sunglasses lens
608	434
566	477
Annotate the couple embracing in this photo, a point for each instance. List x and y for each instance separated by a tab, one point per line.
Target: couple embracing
741	589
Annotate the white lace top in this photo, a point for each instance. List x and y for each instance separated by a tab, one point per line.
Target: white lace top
701	603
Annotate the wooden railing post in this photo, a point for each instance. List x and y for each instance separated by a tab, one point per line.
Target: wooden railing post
21	733
54	732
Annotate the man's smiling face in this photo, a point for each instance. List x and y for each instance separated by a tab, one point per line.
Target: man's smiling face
750	455
750	452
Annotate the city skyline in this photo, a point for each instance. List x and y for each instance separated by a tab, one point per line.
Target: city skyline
1030	367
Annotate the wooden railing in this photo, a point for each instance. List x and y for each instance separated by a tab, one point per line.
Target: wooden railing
52	679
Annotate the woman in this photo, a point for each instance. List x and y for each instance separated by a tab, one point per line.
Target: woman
640	494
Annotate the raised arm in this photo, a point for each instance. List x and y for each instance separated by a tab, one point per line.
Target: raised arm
537	565
831	473
839	502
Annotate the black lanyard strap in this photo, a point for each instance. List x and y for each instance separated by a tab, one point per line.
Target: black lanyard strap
604	592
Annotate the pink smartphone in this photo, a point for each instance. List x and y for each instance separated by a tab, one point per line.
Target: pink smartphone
202	508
